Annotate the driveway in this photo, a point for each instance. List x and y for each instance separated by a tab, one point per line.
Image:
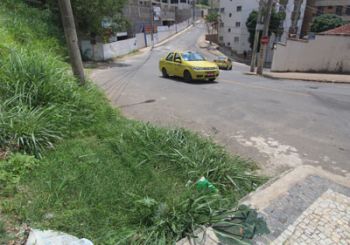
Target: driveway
278	124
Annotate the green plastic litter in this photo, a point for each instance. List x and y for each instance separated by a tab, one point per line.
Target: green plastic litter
204	184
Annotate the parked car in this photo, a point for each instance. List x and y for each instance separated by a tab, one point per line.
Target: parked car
223	62
188	65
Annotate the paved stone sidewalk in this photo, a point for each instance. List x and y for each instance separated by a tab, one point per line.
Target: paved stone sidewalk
326	221
304	206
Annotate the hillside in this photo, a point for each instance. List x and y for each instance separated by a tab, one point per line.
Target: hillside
71	162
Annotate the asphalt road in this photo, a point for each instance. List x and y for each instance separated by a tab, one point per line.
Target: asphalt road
279	124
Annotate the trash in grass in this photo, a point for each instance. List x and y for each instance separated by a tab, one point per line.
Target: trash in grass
204	184
38	237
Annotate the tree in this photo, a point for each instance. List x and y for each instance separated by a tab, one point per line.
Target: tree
204	2
326	22
275	24
211	20
90	14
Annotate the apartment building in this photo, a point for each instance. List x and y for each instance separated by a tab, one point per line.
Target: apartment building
318	7
233	32
338	7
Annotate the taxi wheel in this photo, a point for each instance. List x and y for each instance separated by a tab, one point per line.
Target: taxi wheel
165	73
187	76
212	79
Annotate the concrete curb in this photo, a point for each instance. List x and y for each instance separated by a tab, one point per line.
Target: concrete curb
275	187
303	79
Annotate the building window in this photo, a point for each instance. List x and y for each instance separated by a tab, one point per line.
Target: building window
239	8
174	1
183	1
330	7
222	24
347	11
228	44
222	10
339	10
221	38
165	1
236	39
320	10
229	29
238	24
230	15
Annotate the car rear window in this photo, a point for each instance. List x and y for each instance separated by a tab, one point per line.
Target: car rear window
190	56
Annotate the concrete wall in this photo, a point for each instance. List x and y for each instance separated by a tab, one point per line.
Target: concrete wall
107	51
119	48
324	54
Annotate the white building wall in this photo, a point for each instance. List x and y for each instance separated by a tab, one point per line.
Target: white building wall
324	54
230	35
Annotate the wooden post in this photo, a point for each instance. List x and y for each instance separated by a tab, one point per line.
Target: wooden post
263	47
72	40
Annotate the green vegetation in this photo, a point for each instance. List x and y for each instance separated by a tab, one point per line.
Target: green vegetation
212	17
74	164
275	25
326	22
203	2
90	14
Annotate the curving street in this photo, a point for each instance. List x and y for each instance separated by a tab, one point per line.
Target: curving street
277	123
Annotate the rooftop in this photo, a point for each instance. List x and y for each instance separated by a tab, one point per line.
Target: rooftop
341	30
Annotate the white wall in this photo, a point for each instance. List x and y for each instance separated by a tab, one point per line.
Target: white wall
324	54
114	49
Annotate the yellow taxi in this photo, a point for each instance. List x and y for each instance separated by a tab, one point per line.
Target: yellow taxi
188	65
223	62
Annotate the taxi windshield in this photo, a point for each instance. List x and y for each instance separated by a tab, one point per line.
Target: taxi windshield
189	56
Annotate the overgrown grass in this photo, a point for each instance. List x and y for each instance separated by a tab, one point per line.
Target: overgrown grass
97	174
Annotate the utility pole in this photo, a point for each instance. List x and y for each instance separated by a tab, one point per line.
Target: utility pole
175	19
72	40
193	12
152	25
258	28
295	18
263	46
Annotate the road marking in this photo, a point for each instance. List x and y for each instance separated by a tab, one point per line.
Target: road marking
278	154
264	88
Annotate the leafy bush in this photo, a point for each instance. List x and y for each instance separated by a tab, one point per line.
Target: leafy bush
326	22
